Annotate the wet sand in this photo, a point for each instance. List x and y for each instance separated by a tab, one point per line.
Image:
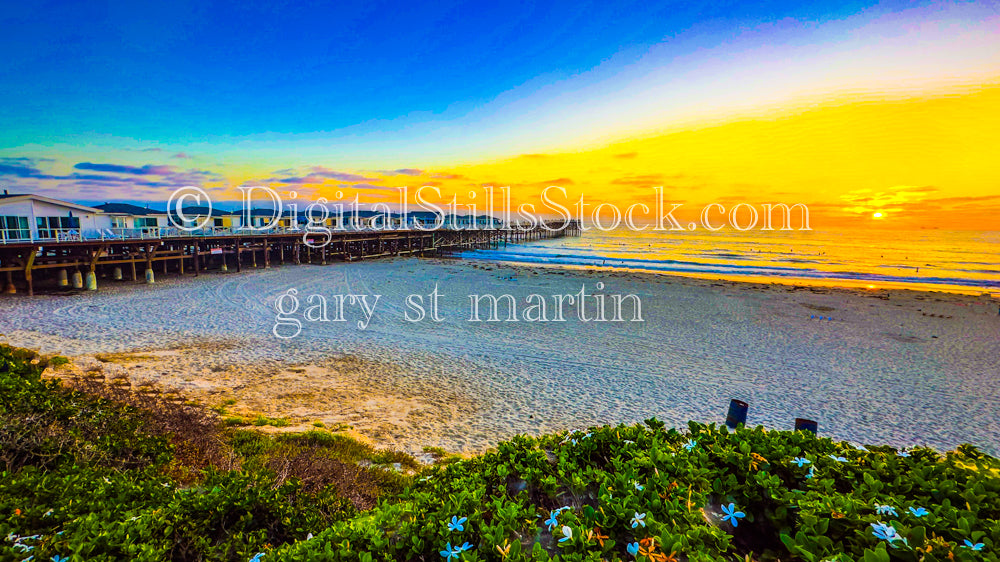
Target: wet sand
900	367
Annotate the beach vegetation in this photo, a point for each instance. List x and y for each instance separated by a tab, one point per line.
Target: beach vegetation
123	357
645	492
441	456
98	472
57	361
261	420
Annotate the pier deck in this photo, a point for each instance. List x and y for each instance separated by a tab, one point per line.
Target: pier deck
79	263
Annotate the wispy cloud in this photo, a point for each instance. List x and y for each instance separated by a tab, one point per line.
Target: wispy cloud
110	179
315	175
644	180
324	172
366	187
17	169
148	169
403	172
559	182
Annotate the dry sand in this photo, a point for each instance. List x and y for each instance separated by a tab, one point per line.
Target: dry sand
899	367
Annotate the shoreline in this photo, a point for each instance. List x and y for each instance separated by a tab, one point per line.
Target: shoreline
859	285
405	386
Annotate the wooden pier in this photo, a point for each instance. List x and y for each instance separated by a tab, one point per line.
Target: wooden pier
78	264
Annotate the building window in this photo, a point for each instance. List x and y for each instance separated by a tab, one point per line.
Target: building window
146	222
49	226
118	222
15	228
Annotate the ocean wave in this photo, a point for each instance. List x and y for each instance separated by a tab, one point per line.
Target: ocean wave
720	265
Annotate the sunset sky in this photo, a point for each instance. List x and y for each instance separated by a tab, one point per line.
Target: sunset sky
890	108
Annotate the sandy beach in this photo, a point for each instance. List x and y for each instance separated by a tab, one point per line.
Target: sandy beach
900	367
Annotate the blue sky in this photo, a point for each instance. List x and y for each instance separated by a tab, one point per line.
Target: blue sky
186	71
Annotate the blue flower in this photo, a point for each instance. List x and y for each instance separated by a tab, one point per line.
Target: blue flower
801	461
552	521
838	459
902	454
639	519
638	486
569	437
633	548
257	557
977	546
886	510
465	546
58	558
886	533
456	524
448	553
567	534
812	472
732	515
691	444
919	512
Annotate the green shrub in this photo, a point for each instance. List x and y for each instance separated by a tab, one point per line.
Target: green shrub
665	495
98	472
97	478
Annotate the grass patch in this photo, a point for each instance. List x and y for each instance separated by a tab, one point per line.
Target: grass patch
57	361
262	420
259	420
122	357
441	456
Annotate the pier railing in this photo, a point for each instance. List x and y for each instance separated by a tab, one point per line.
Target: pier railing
117	254
49	235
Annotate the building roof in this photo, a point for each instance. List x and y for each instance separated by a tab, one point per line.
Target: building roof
8	197
425	214
262	212
128	209
202	211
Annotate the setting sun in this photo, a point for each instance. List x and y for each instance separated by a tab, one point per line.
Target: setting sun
877	215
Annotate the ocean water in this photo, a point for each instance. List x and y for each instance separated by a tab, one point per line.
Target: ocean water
952	261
